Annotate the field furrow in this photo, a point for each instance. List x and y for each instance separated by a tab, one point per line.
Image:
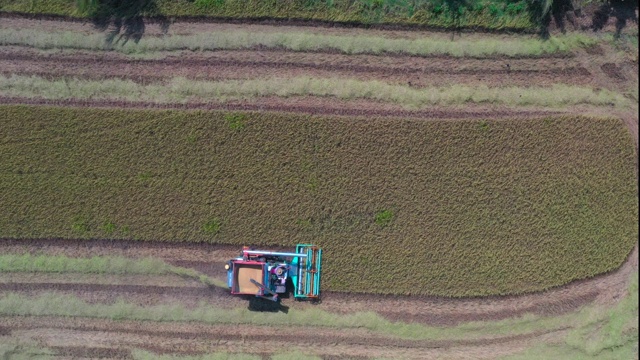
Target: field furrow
56	331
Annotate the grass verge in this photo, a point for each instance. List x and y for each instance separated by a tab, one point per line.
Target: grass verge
604	334
20	350
98	265
480	207
181	90
301	41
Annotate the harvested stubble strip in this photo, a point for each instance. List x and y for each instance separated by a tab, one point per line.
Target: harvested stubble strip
617	321
56	304
181	90
475	207
97	265
301	41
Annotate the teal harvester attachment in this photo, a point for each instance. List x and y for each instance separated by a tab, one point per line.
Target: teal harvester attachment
267	274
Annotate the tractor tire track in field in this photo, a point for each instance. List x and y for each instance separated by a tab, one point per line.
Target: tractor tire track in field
605	289
244	64
198	338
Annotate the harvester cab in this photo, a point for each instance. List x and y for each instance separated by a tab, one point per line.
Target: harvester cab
267	274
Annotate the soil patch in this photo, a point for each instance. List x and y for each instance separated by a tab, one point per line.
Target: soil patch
613	71
5	331
224	335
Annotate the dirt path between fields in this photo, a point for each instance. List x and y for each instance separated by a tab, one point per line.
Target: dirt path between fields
605	289
251	64
78	335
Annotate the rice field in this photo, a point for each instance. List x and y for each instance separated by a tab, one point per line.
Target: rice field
480	209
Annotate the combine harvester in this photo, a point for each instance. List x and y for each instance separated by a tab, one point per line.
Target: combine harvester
266	274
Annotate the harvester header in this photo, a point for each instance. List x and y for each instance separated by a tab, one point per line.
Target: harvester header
267	274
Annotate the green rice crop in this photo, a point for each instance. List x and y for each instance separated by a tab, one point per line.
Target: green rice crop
181	90
480	207
489	14
301	41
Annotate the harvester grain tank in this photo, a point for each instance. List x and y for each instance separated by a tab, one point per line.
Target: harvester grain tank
268	274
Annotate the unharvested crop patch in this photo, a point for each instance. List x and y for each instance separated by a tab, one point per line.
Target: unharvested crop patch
479	207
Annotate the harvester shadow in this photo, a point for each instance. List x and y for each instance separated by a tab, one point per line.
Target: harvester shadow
561	10
621	10
457	8
265	305
126	19
558	11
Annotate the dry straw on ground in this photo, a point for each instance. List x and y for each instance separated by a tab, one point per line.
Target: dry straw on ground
300	41
181	90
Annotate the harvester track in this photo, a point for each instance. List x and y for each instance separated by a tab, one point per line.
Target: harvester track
604	289
245	64
174	337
